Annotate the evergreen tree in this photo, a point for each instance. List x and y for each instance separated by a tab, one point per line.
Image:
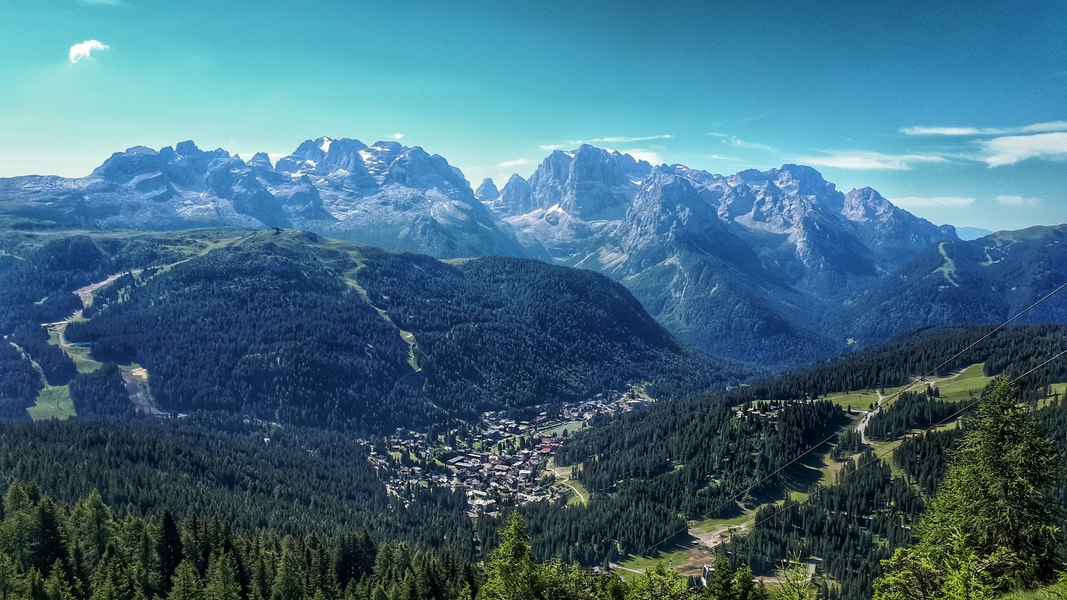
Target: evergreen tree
288	583
91	529
186	585
745	587
57	587
509	573
660	583
169	547
721	584
797	582
11	579
222	581
992	525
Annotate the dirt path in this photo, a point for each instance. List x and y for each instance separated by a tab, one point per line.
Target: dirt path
862	427
581	496
719	535
566	480
136	381
618	567
85	294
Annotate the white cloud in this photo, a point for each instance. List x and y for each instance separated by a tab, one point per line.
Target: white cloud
1008	150
85	49
518	162
933	202
871	161
649	156
622	139
609	139
1046	127
923	130
1019	201
736	142
397	136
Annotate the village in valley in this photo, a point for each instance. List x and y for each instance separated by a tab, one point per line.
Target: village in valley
506	462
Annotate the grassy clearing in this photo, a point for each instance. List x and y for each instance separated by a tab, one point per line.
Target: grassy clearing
80	356
970	380
948	269
556	431
709	525
672	559
409	339
816	468
953	388
1058	390
885	451
53	402
579	495
861	400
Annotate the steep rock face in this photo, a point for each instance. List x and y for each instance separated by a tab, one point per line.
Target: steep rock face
385	194
588	183
890	231
487	191
574	201
396	197
734	264
515	199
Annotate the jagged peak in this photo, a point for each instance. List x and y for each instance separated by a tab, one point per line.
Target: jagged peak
392	146
487	190
187	148
137	150
260	159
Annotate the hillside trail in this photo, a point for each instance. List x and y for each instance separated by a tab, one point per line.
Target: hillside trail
135	380
565	479
862	427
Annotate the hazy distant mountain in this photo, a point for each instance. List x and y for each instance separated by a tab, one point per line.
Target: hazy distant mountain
384	194
987	280
972	233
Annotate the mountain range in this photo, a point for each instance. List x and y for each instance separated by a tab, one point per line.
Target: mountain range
772	267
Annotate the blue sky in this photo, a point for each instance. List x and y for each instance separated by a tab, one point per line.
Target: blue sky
955	110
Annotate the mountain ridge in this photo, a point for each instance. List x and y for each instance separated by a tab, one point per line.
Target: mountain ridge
757	266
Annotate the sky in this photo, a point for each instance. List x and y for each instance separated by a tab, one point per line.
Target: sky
956	111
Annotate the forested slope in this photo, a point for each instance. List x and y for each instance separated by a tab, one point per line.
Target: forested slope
293	328
701	455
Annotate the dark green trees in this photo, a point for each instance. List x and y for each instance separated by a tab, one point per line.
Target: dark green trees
512	574
992	526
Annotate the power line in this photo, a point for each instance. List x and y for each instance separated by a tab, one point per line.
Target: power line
733	499
885	453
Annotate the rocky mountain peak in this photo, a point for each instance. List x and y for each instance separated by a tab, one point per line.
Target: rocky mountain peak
865	204
487	190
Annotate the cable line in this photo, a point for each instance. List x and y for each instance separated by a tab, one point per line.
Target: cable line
733	499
